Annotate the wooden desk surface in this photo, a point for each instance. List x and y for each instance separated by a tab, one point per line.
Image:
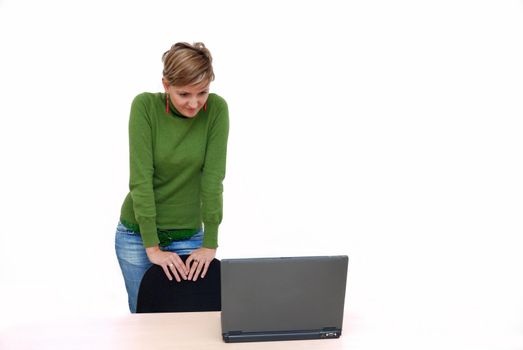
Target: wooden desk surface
197	330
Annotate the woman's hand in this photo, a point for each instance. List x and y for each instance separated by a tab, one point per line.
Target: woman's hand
200	259
170	262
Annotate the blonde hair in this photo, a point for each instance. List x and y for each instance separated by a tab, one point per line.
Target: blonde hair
185	64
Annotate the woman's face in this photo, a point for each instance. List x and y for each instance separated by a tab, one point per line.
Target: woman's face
188	100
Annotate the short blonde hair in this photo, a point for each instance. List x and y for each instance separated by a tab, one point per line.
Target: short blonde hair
185	64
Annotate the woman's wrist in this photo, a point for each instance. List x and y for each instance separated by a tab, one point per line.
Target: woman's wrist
152	250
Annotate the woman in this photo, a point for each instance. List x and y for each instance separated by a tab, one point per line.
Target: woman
178	146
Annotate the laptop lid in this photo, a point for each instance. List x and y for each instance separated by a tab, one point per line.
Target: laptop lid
283	298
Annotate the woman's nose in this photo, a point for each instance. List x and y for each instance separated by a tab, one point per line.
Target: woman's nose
193	103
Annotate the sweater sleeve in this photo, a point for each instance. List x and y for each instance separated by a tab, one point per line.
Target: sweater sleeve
141	170
213	173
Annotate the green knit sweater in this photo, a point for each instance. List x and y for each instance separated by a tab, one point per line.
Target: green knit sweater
177	167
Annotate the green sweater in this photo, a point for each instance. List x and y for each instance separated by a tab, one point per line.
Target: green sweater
177	167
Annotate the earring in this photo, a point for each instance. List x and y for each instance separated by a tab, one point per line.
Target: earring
205	107
166	103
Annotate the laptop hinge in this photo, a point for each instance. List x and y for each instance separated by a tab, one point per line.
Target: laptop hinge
330	332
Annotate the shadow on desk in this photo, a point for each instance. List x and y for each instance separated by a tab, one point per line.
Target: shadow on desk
158	294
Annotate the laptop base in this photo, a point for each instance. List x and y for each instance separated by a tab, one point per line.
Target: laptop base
240	337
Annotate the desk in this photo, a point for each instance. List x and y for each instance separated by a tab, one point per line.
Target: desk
196	330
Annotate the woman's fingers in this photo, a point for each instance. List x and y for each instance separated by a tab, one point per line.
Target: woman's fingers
173	268
172	265
198	262
199	266
180	266
205	268
181	269
196	269
194	265
167	273
188	262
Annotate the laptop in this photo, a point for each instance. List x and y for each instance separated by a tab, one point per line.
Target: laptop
290	298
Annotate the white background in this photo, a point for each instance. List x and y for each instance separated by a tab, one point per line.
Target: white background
390	131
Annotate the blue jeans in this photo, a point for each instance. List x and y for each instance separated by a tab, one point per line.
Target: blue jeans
134	261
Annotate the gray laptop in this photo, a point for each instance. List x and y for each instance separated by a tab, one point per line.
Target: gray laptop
265	299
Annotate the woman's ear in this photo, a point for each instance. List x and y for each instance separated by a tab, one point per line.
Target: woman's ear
165	85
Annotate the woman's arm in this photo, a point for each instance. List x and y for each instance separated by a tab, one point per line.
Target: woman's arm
213	173
142	169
